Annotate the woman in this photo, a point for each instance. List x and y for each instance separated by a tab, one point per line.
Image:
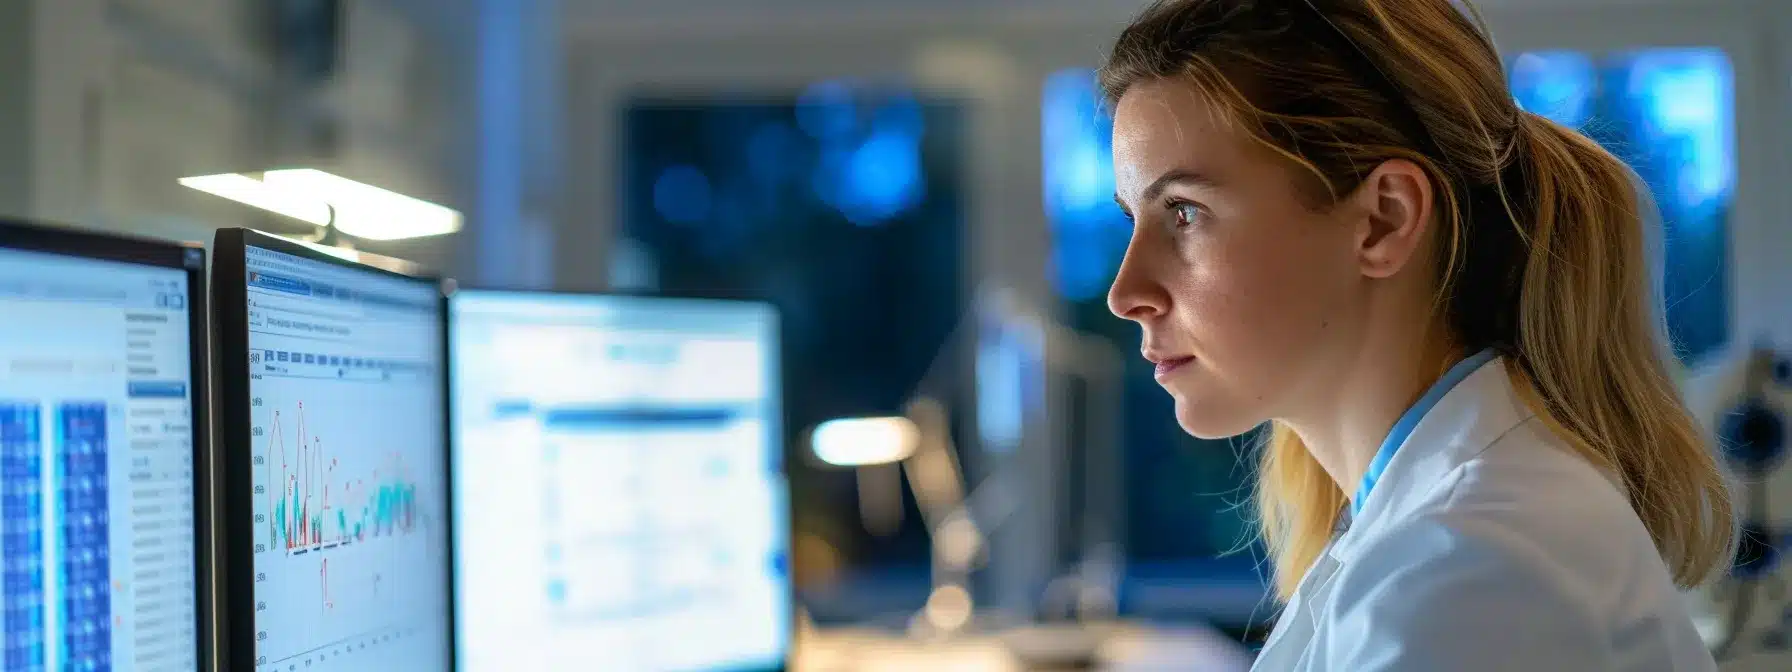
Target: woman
1345	226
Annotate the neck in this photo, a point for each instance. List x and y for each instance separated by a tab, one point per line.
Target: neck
1345	430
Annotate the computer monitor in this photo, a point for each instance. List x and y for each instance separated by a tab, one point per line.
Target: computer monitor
333	401
102	453
619	497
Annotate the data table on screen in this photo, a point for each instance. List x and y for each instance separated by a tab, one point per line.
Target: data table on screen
618	484
97	548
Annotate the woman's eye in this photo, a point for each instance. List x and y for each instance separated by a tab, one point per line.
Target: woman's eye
1188	214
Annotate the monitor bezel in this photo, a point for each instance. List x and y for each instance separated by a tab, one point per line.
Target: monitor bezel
782	438
230	306
188	257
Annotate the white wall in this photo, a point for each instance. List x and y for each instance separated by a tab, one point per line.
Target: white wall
119	98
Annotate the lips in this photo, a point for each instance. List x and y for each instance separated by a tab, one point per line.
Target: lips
1167	366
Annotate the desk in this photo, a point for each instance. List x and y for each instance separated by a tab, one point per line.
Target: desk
1120	648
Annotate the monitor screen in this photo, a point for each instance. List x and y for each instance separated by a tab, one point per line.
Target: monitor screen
348	451
619	496
97	551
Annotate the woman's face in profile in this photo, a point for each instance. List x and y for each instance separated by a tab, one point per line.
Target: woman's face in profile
1244	291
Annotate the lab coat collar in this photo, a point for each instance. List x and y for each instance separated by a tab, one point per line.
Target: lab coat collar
1410	419
1468	419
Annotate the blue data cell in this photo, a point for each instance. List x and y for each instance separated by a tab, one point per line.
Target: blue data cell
82	500
21	538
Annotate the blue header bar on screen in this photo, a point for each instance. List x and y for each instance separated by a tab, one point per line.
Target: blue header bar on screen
312	289
158	389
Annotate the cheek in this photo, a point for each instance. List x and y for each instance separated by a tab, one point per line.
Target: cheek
1258	297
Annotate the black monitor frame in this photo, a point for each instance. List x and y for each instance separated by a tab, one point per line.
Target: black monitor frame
782	439
237	632
188	257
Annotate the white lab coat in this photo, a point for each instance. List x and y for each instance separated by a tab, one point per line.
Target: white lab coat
1487	545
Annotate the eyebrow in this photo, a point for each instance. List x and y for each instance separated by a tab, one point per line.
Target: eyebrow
1177	176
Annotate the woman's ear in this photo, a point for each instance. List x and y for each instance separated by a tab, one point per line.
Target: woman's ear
1396	201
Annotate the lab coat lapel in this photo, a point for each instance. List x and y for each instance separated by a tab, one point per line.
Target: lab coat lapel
1289	644
1482	408
1471	417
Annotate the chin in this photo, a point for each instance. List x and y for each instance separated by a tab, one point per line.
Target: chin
1213	421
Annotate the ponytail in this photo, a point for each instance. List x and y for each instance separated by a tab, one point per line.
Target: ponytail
1574	314
1593	360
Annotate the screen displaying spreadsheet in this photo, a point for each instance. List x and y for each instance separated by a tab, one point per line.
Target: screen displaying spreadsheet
619	496
97	552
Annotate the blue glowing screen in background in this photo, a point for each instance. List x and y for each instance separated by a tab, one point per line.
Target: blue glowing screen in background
856	149
1670	114
1089	231
870	162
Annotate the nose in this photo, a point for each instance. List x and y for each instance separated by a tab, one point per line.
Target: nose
1135	294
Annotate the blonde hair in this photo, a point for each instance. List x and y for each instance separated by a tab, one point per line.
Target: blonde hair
1542	237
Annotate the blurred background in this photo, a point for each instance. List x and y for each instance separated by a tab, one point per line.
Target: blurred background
923	187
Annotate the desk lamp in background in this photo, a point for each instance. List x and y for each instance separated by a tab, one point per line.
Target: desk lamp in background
918	447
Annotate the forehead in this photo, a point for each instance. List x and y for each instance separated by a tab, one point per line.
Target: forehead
1164	125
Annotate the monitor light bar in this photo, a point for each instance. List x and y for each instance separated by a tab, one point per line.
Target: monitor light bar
256	193
321	199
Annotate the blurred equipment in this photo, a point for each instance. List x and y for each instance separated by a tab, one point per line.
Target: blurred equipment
103	426
920	443
332	203
621	503
1745	616
962	517
333	397
1123	648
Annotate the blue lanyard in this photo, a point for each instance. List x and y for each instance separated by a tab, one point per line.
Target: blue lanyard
1410	420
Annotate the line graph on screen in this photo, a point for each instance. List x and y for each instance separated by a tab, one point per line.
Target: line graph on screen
340	514
317	505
